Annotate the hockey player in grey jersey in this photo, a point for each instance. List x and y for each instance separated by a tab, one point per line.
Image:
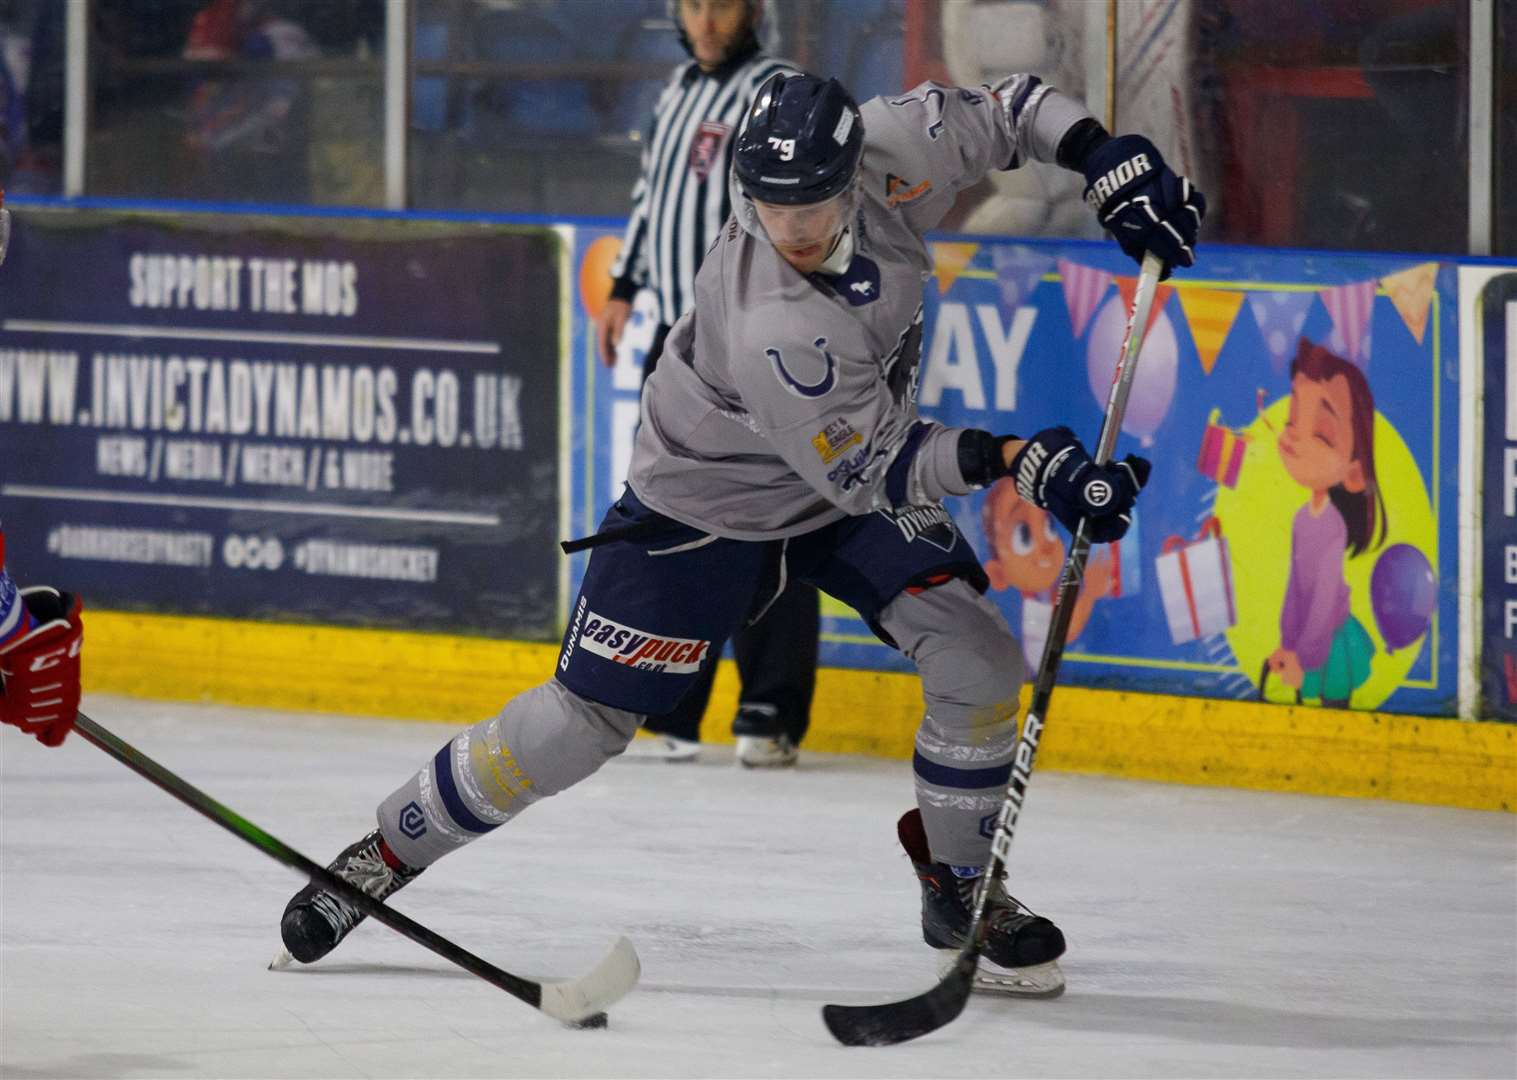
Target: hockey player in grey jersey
780	439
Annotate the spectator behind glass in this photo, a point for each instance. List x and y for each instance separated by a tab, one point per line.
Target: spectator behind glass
248	133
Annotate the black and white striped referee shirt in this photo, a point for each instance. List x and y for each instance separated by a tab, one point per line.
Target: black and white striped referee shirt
680	202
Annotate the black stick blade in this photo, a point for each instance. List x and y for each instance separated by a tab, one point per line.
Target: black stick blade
900	1021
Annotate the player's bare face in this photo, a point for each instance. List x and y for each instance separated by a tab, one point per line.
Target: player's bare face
714	28
804	235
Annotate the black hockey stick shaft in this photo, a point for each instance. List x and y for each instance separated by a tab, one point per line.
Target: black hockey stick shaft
134	759
899	1021
1069	588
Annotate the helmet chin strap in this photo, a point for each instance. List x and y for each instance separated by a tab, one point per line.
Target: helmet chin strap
837	260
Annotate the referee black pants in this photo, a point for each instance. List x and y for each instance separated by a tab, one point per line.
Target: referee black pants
776	656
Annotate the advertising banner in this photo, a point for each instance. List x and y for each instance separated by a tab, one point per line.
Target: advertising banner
1301	412
327	419
1493	294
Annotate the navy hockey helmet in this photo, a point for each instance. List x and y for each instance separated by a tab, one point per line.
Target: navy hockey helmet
801	142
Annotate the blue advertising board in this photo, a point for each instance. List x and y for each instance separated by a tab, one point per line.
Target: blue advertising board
1496	327
1301	515
337	420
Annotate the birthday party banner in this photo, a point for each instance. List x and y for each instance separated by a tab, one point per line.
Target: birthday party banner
1301	414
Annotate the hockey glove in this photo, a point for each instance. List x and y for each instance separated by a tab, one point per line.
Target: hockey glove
1141	201
1054	472
39	671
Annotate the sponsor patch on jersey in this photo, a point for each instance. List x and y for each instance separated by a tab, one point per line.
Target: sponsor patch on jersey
705	148
853	469
641	649
898	192
833	439
931	524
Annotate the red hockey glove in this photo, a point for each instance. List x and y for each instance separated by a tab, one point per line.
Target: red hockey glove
39	672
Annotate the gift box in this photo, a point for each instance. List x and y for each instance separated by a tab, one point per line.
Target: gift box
1196	584
1126	562
1222	450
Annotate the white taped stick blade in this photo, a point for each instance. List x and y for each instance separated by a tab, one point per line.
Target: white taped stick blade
282	960
612	979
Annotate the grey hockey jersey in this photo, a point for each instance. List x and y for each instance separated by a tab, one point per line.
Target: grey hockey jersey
784	401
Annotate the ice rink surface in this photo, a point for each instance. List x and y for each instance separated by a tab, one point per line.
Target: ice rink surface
1212	932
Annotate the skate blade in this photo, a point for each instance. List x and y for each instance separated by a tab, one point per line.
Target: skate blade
281	960
1034	981
649	747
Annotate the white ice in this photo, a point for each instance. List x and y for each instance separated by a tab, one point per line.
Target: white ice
1212	932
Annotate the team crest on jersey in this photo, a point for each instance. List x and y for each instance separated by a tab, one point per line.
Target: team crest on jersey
640	649
706	147
821	387
898	192
835	438
930	524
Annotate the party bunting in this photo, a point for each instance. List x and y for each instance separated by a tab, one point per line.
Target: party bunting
1280	316
1351	307
1018	271
1411	293
949	260
1210	313
1083	288
1128	287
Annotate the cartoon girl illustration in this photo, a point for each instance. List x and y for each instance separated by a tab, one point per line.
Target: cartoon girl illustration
1328	447
1027	554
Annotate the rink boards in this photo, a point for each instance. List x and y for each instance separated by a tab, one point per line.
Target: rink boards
323	463
458	680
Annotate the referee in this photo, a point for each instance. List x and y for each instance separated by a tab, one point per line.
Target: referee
679	203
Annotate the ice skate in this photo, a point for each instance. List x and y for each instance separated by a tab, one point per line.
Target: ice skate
1022	949
656	746
315	920
761	743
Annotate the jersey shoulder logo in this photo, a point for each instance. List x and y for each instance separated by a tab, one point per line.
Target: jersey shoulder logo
859	284
899	192
821	387
706	147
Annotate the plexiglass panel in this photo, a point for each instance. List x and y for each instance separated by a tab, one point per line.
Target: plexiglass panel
540	105
1337	124
1340	123
269	101
1506	128
31	97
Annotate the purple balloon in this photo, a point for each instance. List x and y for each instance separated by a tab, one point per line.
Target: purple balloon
1403	593
1153	387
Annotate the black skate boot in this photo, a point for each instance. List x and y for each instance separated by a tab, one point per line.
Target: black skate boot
1021	950
761	742
315	920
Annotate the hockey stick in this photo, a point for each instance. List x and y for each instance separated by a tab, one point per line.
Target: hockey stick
575	1001
897	1021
